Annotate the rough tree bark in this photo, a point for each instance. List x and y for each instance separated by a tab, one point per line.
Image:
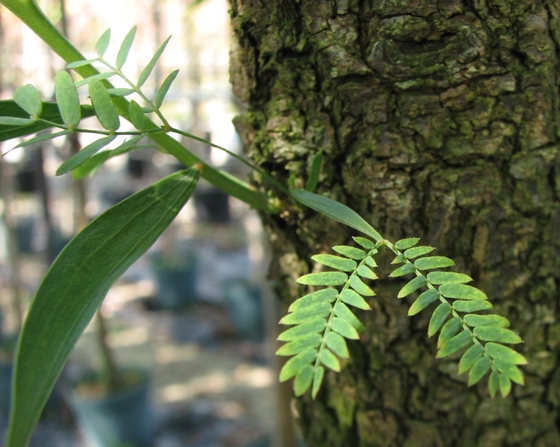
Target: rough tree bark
438	119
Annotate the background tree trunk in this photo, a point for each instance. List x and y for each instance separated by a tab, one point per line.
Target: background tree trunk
437	119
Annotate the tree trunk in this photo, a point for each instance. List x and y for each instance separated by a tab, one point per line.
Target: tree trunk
439	120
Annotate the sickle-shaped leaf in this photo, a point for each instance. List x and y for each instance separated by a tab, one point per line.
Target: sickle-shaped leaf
75	286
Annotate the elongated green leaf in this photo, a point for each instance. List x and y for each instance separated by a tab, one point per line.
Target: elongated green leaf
337	344
96	77
45	137
337	211
336	262
505	385
454	344
405	269
328	359
433	262
461	291
405	244
350	252
67	99
499	334
313	326
317	380
86	153
301	344
319	309
148	69
323	279
421	250
125	47
14	121
103	43
493	383
103	106
366	272
424	300
28	98
359	286
297	363
448	278
470	357
486	320
495	350
471	306
77	282
479	369
412	286
81	63
449	329
509	369
120	91
327	295
399	259
341	310
136	115
162	91
371	262
365	243
344	328
354	299
438	318
303	380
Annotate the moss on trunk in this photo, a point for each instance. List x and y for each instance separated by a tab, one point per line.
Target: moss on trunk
437	119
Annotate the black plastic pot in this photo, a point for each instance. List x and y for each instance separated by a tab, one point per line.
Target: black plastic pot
121	419
212	205
176	281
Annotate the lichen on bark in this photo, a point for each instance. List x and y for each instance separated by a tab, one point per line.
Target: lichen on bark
437	119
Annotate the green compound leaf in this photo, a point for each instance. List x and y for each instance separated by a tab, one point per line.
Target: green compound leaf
303	343
448	278
29	99
314	326
405	269
359	286
342	311
461	291
319	309
371	262
67	99
405	244
412	286
337	344
125	47
509	369
83	155
366	272
162	91
344	328
433	262
493	383
97	77
104	109
471	306
303	380
41	138
148	69
328	359
350	252
317	381
103	43
15	121
337	211
354	299
81	63
498	334
76	283
505	385
438	318
449	329
323	279
120	91
486	320
414	252
479	369
137	116
336	262
470	357
456	343
399	259
327	295
363	242
297	363
424	300
496	350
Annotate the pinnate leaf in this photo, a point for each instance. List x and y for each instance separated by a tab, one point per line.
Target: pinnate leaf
479	369
470	357
509	369
336	262
364	242
327	295
303	380
103	43
310	327
148	69
328	359
342	311
162	91
67	99
438	318
405	269
104	109
448	278
493	383
498	334
28	98
405	244
297	363
301	344
474	320
136	115
323	279
459	341
421	250
83	155
433	262
354	299
505	385
344	328
412	286
337	344
350	252
366	272
471	306
317	381
317	310
462	291
424	300
359	286
449	329
124	50
496	350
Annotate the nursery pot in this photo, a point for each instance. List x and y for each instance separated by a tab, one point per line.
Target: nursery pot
5	384
244	306
175	279
212	205
123	418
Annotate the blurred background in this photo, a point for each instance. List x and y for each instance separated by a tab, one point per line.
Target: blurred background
194	315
